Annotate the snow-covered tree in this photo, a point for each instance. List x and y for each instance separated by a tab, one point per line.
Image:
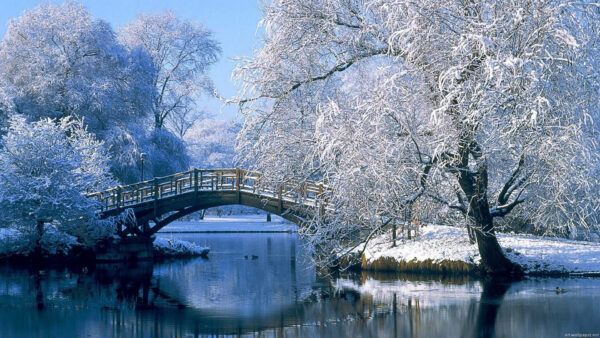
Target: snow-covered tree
472	109
164	153
211	143
182	52
46	169
57	61
167	153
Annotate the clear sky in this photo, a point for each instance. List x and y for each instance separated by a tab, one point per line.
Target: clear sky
233	23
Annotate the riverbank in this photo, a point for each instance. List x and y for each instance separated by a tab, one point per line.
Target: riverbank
437	249
16	247
231	223
443	249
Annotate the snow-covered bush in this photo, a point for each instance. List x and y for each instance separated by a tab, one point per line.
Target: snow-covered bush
98	230
46	170
169	247
52	242
125	143
55	242
13	242
164	153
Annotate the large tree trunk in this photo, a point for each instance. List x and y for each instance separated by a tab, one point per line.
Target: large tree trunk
158	121
493	261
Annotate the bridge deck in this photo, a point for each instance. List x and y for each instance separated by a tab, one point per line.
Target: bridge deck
198	184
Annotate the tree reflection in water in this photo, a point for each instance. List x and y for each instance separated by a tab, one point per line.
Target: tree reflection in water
277	295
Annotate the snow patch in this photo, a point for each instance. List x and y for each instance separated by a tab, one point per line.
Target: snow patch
53	242
436	243
169	247
536	254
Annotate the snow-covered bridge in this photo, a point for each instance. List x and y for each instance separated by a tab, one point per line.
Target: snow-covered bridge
162	200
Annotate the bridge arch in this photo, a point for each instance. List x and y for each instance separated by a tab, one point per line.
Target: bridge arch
166	199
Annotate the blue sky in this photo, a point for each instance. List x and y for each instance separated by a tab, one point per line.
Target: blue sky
233	23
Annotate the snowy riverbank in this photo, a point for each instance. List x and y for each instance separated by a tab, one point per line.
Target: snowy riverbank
447	249
233	223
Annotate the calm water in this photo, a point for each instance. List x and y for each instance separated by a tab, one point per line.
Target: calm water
278	293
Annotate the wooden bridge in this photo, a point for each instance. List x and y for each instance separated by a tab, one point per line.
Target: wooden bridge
162	200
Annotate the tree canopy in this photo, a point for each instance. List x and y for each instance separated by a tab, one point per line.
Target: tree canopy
181	51
58	61
469	110
46	170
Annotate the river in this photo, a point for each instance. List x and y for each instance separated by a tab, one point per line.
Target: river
264	285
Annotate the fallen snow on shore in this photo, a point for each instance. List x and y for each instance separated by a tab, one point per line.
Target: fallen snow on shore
169	247
536	254
240	223
437	243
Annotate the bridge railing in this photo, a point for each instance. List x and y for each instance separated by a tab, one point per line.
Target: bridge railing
235	179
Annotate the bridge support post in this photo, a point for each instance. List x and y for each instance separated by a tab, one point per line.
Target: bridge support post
279	200
321	201
145	227
201	180
237	185
195	183
119	204
155	197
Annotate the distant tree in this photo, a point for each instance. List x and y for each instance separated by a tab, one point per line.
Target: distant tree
167	153
182	52
46	169
164	153
57	61
211	143
482	109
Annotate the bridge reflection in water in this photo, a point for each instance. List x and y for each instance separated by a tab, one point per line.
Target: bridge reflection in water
279	293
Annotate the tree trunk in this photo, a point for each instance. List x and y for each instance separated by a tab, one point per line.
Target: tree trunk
158	121
493	261
37	251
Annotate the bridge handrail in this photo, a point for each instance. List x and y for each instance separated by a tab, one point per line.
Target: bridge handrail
229	179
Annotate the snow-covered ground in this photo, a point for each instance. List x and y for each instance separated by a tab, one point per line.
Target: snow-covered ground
536	254
239	223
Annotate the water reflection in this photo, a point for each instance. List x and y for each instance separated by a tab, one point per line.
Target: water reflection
279	293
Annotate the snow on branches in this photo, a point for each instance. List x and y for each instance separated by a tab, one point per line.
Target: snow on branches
181	52
469	110
46	169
